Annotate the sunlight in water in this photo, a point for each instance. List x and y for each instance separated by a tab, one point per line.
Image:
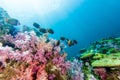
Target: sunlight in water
42	6
44	10
25	10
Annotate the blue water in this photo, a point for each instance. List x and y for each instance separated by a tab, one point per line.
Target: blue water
83	20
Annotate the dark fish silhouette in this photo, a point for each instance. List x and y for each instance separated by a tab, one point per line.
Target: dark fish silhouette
75	41
36	25
50	31
57	43
83	50
62	38
43	30
13	21
69	42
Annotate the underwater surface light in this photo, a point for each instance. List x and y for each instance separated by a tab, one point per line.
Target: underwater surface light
43	11
34	6
27	10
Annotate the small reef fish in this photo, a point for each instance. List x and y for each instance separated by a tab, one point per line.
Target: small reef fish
43	30
13	21
75	41
69	42
36	25
50	31
57	43
62	38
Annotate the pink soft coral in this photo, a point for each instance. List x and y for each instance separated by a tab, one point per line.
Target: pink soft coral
33	72
37	53
42	74
60	63
40	56
101	72
4	54
23	41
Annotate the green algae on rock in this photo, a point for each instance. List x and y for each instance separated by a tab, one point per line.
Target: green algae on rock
112	60
86	55
102	56
98	55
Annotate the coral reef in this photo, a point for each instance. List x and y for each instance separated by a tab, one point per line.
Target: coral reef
42	59
76	70
30	55
26	56
102	58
